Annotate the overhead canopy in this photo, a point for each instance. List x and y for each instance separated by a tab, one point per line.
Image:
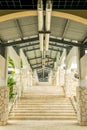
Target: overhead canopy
23	33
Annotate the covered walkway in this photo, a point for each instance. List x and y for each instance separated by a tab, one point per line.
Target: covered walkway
43	66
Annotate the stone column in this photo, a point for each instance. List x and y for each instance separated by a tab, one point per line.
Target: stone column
4	101
66	75
82	89
4	92
82	105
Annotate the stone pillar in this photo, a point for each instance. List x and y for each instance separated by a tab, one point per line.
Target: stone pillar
4	92
4	101
82	105
81	92
66	81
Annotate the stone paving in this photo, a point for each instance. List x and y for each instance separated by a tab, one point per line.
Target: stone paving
43	125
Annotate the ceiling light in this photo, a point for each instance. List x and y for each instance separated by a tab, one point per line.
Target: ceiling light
48	22
40	22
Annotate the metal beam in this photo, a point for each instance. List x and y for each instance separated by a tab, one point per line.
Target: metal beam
36	64
50	58
32	49
19	28
65	28
29	45
35	58
56	45
2	50
85	40
58	41
46	70
41	63
49	66
38	67
55	49
21	41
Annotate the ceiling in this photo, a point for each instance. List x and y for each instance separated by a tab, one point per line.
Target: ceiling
22	33
32	4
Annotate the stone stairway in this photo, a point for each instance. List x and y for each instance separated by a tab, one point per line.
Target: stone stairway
43	106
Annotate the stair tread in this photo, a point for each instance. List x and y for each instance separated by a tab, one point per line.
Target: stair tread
42	114
35	105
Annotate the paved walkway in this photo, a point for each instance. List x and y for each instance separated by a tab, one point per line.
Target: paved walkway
43	125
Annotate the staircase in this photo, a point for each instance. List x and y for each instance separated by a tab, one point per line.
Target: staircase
46	105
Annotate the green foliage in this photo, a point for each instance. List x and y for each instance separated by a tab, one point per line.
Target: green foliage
12	73
11	83
11	62
10	80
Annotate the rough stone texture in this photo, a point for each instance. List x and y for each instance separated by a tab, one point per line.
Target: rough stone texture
4	100
70	84
82	105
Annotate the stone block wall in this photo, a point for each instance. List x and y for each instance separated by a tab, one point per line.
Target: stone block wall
70	84
4	101
82	105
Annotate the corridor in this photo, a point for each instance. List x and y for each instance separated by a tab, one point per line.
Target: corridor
43	65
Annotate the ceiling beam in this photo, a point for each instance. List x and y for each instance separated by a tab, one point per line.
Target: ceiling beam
55	49
38	67
50	58
29	45
58	41
32	49
65	28
85	40
49	66
36	64
56	45
21	41
41	57
40	70
41	63
19	28
35	58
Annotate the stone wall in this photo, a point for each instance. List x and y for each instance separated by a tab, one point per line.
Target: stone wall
4	101
70	83
82	105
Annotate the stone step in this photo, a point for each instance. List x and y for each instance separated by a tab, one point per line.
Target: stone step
40	111
44	107
42	104
43	101
42	118
36	105
43	114
47	105
38	95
